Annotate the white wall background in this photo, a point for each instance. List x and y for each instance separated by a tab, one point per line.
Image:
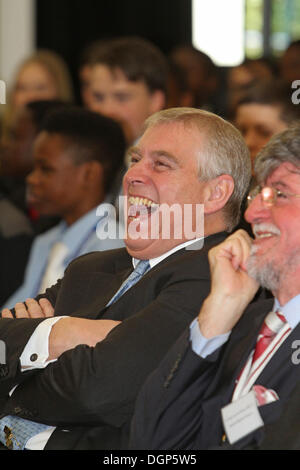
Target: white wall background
218	29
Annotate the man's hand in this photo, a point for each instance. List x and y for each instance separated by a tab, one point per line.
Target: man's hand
231	287
31	309
69	332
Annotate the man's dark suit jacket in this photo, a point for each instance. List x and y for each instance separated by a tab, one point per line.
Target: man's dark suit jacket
179	405
91	391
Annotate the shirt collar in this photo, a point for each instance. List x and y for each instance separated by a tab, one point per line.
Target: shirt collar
154	261
73	235
291	310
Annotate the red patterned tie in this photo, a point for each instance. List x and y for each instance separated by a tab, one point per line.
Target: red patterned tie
272	324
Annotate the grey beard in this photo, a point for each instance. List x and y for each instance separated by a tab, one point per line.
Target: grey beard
266	274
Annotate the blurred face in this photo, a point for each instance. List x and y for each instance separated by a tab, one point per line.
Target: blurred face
163	171
276	228
239	77
33	83
290	65
85	85
56	185
129	103
258	123
17	159
194	68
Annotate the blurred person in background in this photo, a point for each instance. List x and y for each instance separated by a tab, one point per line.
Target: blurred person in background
245	75
42	76
289	63
264	110
20	222
128	83
85	66
178	91
202	75
16	158
76	155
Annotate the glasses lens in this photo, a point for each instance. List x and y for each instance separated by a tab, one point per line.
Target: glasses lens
268	195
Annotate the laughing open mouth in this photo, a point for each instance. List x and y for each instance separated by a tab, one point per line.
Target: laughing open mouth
139	206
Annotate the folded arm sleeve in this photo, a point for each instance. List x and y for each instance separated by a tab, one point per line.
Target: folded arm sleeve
100	384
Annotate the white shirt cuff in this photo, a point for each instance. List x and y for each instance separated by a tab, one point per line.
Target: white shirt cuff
36	351
39	441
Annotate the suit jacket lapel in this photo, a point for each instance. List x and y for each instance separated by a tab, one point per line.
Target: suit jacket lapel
122	266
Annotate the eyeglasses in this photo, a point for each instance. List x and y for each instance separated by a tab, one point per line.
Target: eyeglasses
269	195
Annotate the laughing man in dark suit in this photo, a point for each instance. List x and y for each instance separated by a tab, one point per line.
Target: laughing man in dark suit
79	370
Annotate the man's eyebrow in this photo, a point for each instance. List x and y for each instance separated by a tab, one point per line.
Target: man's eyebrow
282	186
164	153
279	183
155	153
133	150
282	183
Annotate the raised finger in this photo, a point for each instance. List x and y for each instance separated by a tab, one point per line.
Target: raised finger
239	246
246	243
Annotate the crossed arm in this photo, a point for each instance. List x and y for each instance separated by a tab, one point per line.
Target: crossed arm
68	332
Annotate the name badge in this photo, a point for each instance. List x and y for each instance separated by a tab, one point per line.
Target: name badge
241	417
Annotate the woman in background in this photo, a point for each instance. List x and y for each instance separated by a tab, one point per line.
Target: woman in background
41	76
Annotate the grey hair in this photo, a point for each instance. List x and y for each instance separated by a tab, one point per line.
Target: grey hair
222	150
282	147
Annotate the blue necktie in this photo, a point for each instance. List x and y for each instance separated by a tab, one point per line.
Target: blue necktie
15	431
132	279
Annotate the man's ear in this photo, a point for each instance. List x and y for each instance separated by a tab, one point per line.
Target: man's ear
158	101
217	193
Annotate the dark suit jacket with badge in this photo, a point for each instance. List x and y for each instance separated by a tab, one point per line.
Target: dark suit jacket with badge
179	407
90	392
